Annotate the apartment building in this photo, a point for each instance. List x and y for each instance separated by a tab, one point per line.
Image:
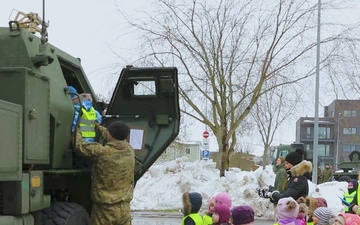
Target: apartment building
339	132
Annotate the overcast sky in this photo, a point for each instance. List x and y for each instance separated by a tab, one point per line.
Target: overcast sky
94	29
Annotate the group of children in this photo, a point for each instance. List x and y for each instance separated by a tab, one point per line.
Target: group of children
288	211
219	212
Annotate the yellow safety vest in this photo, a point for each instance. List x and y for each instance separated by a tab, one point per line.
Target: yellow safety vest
207	220
358	196
195	216
87	123
348	197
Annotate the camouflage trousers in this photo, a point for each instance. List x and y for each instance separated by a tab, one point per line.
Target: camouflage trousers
111	214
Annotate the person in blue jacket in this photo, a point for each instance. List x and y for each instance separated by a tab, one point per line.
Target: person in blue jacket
83	106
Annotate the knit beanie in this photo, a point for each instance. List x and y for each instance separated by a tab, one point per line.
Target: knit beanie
119	130
224	213
242	215
287	208
324	214
295	158
223	198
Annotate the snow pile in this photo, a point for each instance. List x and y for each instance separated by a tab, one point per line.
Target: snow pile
162	186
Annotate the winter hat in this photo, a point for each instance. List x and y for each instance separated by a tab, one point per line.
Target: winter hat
72	91
192	202
224	213
287	208
321	202
212	201
352	185
223	198
295	158
341	219
324	214
242	215
119	130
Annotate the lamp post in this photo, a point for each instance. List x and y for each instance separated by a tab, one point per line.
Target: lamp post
337	142
316	121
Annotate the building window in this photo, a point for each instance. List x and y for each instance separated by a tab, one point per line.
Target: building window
349	147
324	132
308	132
349	130
349	113
187	151
323	150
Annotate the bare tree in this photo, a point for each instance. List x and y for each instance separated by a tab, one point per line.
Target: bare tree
270	111
229	53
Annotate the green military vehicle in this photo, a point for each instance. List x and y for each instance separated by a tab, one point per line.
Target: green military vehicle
349	169
39	183
283	150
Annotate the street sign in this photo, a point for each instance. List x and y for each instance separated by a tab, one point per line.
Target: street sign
206	134
205	142
206	153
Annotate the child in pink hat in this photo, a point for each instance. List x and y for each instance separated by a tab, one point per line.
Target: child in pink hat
287	211
207	218
221	215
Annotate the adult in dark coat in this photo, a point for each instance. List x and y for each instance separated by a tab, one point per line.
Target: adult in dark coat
298	173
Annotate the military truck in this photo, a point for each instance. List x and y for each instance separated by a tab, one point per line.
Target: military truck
39	183
283	150
349	169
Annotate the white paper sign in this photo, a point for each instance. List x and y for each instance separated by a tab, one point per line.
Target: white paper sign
136	138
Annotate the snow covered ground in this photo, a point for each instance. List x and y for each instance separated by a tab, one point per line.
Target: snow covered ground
162	186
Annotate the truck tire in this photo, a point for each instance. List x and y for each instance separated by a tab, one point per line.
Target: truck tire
344	178
65	213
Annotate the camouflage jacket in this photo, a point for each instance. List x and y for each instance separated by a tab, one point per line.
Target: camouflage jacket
112	167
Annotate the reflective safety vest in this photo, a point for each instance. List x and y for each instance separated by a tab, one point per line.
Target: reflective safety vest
87	123
196	217
348	198
358	195
207	220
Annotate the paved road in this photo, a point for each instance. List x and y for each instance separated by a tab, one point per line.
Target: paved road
163	218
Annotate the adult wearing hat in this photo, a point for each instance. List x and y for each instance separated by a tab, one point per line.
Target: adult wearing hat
298	171
112	174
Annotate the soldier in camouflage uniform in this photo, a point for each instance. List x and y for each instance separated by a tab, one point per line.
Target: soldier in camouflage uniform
112	174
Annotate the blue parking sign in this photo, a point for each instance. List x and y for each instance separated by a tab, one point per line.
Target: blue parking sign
206	153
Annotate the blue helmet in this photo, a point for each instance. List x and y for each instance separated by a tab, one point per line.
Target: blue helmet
72	91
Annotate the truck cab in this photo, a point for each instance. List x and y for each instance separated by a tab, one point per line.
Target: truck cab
39	182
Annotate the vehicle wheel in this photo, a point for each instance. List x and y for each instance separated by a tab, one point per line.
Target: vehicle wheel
344	178
65	213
